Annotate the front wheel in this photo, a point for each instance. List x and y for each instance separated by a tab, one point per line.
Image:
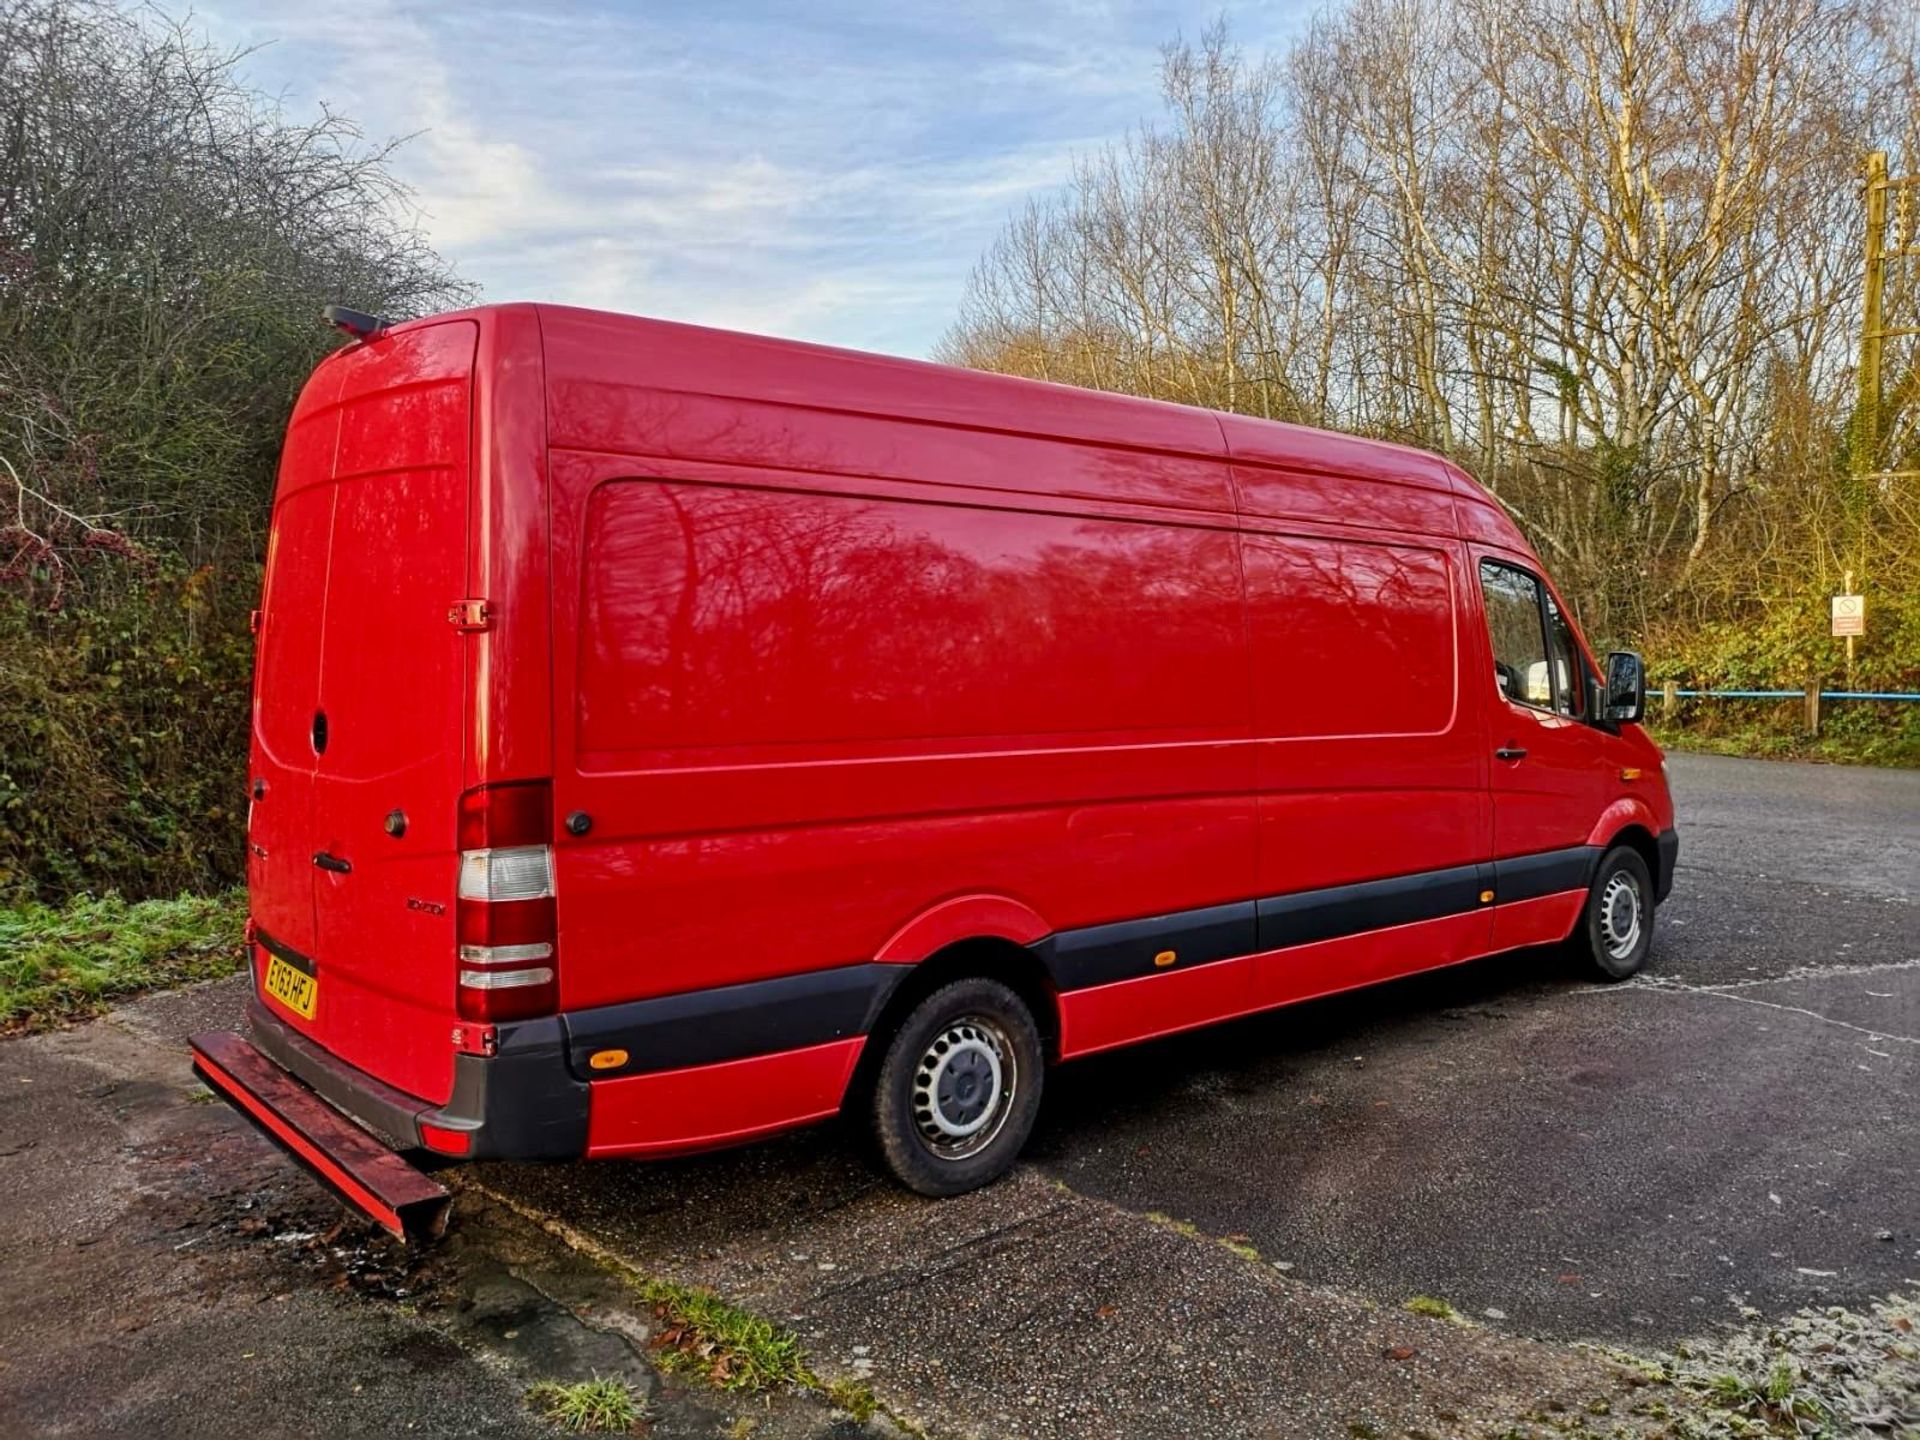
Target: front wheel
1616	929
958	1088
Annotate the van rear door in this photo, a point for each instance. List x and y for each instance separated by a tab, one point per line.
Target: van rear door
386	709
392	690
287	674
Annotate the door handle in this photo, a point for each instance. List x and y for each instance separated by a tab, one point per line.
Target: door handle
1505	752
335	863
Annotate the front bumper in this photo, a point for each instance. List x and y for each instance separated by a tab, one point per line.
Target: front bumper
519	1103
1668	842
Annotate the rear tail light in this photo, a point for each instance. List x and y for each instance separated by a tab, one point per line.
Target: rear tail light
519	872
505	979
508	966
503	954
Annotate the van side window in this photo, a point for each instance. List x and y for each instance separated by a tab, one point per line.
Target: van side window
1568	685
1519	638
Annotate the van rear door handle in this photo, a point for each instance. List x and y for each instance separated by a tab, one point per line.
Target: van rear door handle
334	863
1505	752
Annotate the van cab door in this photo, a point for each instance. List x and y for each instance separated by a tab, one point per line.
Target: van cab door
1553	773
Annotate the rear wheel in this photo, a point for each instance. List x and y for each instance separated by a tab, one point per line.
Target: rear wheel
958	1088
1616	929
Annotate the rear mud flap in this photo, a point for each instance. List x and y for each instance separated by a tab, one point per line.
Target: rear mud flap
352	1163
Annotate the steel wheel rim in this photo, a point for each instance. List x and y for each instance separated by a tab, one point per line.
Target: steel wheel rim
1620	909
963	1087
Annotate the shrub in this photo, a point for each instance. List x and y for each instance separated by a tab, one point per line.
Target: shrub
123	738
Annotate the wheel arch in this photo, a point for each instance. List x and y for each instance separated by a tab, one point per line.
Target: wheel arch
1641	839
993	957
961	920
1626	813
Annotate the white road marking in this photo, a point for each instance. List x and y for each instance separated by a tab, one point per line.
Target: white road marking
1814	972
1725	992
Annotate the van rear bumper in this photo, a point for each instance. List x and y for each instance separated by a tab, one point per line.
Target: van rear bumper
361	1170
520	1103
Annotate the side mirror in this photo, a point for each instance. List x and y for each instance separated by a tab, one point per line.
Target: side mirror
1539	687
1626	698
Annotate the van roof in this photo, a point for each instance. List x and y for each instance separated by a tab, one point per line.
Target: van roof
701	360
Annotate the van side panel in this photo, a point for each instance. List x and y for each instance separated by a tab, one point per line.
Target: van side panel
1482	522
725	624
649	386
1102	1017
1130	1010
1271	493
706	1106
1369	763
807	710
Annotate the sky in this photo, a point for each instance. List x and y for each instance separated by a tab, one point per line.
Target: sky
826	171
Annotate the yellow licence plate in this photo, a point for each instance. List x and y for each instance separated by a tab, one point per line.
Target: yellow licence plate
295	989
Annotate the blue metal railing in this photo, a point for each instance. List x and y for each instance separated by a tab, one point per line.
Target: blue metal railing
1783	694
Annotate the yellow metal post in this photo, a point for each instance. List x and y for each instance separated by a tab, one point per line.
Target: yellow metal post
1866	438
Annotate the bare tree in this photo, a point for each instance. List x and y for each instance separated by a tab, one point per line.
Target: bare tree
1605	251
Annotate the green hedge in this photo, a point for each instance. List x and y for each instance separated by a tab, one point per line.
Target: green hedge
123	737
1782	643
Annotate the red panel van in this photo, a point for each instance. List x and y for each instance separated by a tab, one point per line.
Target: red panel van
664	737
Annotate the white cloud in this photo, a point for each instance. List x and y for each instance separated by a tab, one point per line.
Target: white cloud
824	169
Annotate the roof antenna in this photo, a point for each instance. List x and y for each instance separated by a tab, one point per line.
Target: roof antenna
356	323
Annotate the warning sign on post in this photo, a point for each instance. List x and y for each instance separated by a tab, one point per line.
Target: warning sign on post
1849	615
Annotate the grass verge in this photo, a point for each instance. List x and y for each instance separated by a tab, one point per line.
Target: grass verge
65	963
734	1349
1820	1374
588	1407
1890	749
711	1339
723	1344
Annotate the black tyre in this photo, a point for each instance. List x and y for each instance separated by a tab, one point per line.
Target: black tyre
1616	929
958	1088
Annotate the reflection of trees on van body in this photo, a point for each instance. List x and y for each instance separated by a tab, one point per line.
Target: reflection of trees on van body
864	617
1349	638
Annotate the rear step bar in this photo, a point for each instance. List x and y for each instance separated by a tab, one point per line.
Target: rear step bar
357	1167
